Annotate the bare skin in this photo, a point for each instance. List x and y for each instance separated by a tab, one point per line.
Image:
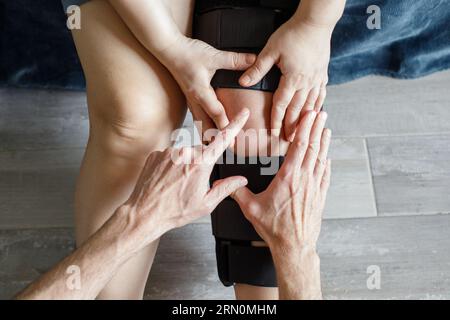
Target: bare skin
161	200
301	49
259	103
141	67
287	215
134	105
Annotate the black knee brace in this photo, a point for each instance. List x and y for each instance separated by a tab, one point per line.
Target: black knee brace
237	260
241	26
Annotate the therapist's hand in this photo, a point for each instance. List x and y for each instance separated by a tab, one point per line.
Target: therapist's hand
193	63
173	189
288	214
302	52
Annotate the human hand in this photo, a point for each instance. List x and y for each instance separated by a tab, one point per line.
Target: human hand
288	214
193	63
302	52
173	188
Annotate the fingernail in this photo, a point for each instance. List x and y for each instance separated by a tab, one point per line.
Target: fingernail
245	111
245	80
276	132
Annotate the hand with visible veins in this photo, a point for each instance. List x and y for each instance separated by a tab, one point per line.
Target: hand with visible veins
171	192
173	188
288	214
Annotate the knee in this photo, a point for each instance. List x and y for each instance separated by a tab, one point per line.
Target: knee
131	128
255	138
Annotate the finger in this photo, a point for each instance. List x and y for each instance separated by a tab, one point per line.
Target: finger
234	61
325	184
321	162
201	121
321	98
226	136
224	188
214	108
281	99
306	108
182	155
244	197
264	62
293	113
312	97
297	149
314	142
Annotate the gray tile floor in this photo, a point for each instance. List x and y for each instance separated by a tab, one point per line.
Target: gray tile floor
388	205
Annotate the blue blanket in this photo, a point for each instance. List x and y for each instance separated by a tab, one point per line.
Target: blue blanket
36	49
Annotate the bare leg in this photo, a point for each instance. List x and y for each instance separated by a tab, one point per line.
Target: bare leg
259	104
134	104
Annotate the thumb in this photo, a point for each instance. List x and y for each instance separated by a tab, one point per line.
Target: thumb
234	60
223	188
258	70
244	197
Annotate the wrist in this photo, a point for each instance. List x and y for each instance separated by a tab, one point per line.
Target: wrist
133	230
298	272
324	18
284	252
168	53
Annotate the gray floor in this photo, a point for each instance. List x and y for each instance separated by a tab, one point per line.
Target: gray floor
388	205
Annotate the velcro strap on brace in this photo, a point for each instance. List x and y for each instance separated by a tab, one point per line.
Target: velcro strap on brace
243	263
229	223
202	6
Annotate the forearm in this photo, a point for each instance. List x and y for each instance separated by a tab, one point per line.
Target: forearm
298	273
97	260
321	13
150	21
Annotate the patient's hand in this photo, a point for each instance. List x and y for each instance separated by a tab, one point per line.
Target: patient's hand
301	49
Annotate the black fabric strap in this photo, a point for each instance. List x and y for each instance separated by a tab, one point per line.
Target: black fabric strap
259	171
243	263
230	29
228	222
202	6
